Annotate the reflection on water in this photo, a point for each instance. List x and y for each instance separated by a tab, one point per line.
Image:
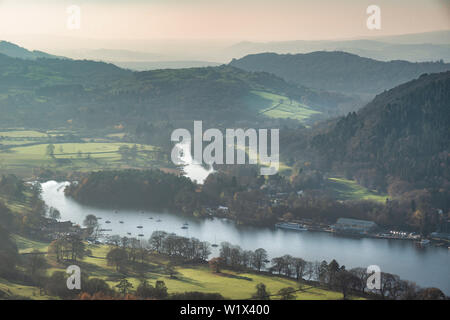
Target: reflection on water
427	267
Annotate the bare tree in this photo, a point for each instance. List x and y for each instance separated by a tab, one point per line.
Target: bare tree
362	276
259	260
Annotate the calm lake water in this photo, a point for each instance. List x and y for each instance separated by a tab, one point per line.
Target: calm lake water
427	267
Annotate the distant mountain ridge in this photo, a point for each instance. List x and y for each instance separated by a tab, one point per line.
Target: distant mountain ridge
338	71
430	46
110	55
169	64
434	37
15	51
127	59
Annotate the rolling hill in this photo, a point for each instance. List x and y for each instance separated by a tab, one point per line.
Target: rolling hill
15	51
49	92
400	141
338	71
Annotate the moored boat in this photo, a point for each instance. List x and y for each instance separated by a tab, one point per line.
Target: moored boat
424	243
291	226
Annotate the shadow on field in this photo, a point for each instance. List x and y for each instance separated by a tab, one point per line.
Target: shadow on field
234	276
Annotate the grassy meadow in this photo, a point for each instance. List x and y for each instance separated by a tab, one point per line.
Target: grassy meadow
231	284
17	133
21	151
278	106
344	189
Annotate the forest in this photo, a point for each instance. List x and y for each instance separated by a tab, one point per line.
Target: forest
151	189
397	143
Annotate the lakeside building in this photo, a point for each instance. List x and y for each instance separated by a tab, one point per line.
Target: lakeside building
440	235
346	225
55	229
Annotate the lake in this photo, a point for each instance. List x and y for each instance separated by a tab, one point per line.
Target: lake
426	266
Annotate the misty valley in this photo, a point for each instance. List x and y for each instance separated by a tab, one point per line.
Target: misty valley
280	170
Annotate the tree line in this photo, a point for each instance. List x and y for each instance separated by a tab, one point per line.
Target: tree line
328	274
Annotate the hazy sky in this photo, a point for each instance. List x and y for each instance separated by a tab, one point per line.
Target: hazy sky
260	20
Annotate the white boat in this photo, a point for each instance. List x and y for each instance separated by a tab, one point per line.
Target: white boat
424	242
291	226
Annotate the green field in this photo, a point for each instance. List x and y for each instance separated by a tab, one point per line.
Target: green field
231	284
15	142
277	106
23	134
344	189
241	285
17	206
92	156
26	245
18	289
94	153
22	290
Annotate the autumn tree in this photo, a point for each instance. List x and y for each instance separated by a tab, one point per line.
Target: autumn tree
90	221
215	264
261	292
431	294
95	286
50	150
287	293
54	213
117	257
35	263
124	286
145	290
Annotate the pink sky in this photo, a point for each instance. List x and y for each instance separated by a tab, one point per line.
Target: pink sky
263	20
